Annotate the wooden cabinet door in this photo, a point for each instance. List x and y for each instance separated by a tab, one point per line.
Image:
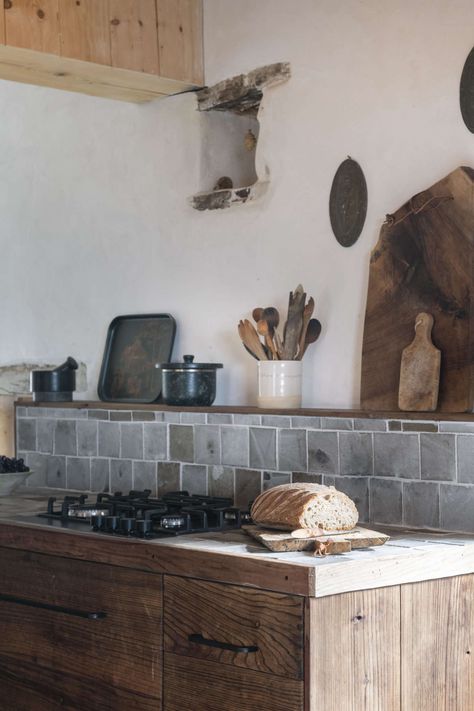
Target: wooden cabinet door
438	645
78	635
230	647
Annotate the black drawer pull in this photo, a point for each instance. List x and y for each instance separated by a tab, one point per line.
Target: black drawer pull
199	639
53	608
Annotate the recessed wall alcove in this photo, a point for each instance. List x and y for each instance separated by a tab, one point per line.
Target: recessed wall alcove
231	128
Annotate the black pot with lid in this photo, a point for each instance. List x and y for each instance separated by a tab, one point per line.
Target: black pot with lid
189	384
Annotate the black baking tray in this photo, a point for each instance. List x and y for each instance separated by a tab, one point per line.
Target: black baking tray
135	343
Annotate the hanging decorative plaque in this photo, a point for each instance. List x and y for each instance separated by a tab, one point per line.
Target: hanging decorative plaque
466	91
348	202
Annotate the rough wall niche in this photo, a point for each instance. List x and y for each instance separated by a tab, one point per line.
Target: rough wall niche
230	135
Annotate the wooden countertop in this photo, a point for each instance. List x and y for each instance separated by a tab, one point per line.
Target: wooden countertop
233	557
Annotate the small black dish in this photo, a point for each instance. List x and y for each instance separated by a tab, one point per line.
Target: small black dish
55	385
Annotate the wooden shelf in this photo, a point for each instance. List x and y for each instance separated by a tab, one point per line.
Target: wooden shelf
31	67
247	410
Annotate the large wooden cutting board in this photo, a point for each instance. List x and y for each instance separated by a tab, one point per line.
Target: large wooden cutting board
423	261
285	542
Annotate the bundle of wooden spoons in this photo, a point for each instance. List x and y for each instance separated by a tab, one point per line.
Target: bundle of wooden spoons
299	330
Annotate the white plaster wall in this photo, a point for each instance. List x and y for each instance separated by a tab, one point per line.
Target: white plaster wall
94	214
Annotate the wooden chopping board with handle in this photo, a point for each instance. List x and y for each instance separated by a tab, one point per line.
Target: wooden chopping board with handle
345	541
423	262
419	370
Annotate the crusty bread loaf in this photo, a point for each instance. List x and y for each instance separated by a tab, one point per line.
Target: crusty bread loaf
303	505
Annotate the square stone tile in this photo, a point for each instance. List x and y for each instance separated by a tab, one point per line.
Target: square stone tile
26	434
182	443
420	426
369	424
169	478
100	474
171	417
145	476
394	426
457	508
323	452
248	485
262	448
357	488
120	416
65	441
38	465
460	427
307	423
337	423
466	459
109	439
355	453
207	444
131	441
292	450
438	459
143	416
194	478
219	418
235	445
121	475
247	419
78	473
271	479
193	418
276	421
45	435
397	455
98	414
385	501
87	435
155	440
421	504
220	481
56	472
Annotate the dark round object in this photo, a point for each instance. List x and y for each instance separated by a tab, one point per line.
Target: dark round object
55	385
348	202
189	384
466	92
111	523
127	525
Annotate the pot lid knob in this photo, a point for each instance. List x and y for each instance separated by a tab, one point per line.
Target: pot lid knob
188	358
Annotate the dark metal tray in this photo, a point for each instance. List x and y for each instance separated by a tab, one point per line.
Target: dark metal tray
134	345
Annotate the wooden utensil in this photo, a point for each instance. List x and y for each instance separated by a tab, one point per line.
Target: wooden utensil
257	314
284	541
249	337
312	334
263	329
307	313
419	370
294	323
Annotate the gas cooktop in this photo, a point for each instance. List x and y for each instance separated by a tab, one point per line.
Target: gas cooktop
140	515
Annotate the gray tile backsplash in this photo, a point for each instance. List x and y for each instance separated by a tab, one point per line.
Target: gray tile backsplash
397	472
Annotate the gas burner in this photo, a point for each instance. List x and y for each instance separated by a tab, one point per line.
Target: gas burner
139	515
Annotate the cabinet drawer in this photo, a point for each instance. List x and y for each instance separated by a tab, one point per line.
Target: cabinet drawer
73	629
242	627
203	685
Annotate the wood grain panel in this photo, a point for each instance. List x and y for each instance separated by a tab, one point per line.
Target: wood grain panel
122	650
134	35
354	652
438	645
32	24
237	616
209	686
180	38
85	30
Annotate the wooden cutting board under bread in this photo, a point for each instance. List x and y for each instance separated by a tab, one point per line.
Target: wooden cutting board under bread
326	544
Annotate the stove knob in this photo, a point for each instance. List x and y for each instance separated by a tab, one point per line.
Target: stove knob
143	526
111	523
127	526
98	522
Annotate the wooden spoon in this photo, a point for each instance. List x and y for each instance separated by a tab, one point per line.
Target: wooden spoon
257	314
307	313
249	338
264	330
272	317
312	334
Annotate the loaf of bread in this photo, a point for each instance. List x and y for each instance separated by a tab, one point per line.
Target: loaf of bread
303	505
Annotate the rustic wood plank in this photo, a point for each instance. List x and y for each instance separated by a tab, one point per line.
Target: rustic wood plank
116	650
180	38
30	67
438	645
423	262
134	35
355	652
32	24
215	687
237	616
85	30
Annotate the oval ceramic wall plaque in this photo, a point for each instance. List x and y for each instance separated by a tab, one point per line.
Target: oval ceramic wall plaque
348	202
466	91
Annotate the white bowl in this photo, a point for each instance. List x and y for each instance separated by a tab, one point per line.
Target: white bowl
9	481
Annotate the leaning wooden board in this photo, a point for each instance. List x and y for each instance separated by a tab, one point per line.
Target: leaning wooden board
423	262
284	542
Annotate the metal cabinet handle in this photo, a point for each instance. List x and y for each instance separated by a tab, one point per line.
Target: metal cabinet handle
53	608
199	639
